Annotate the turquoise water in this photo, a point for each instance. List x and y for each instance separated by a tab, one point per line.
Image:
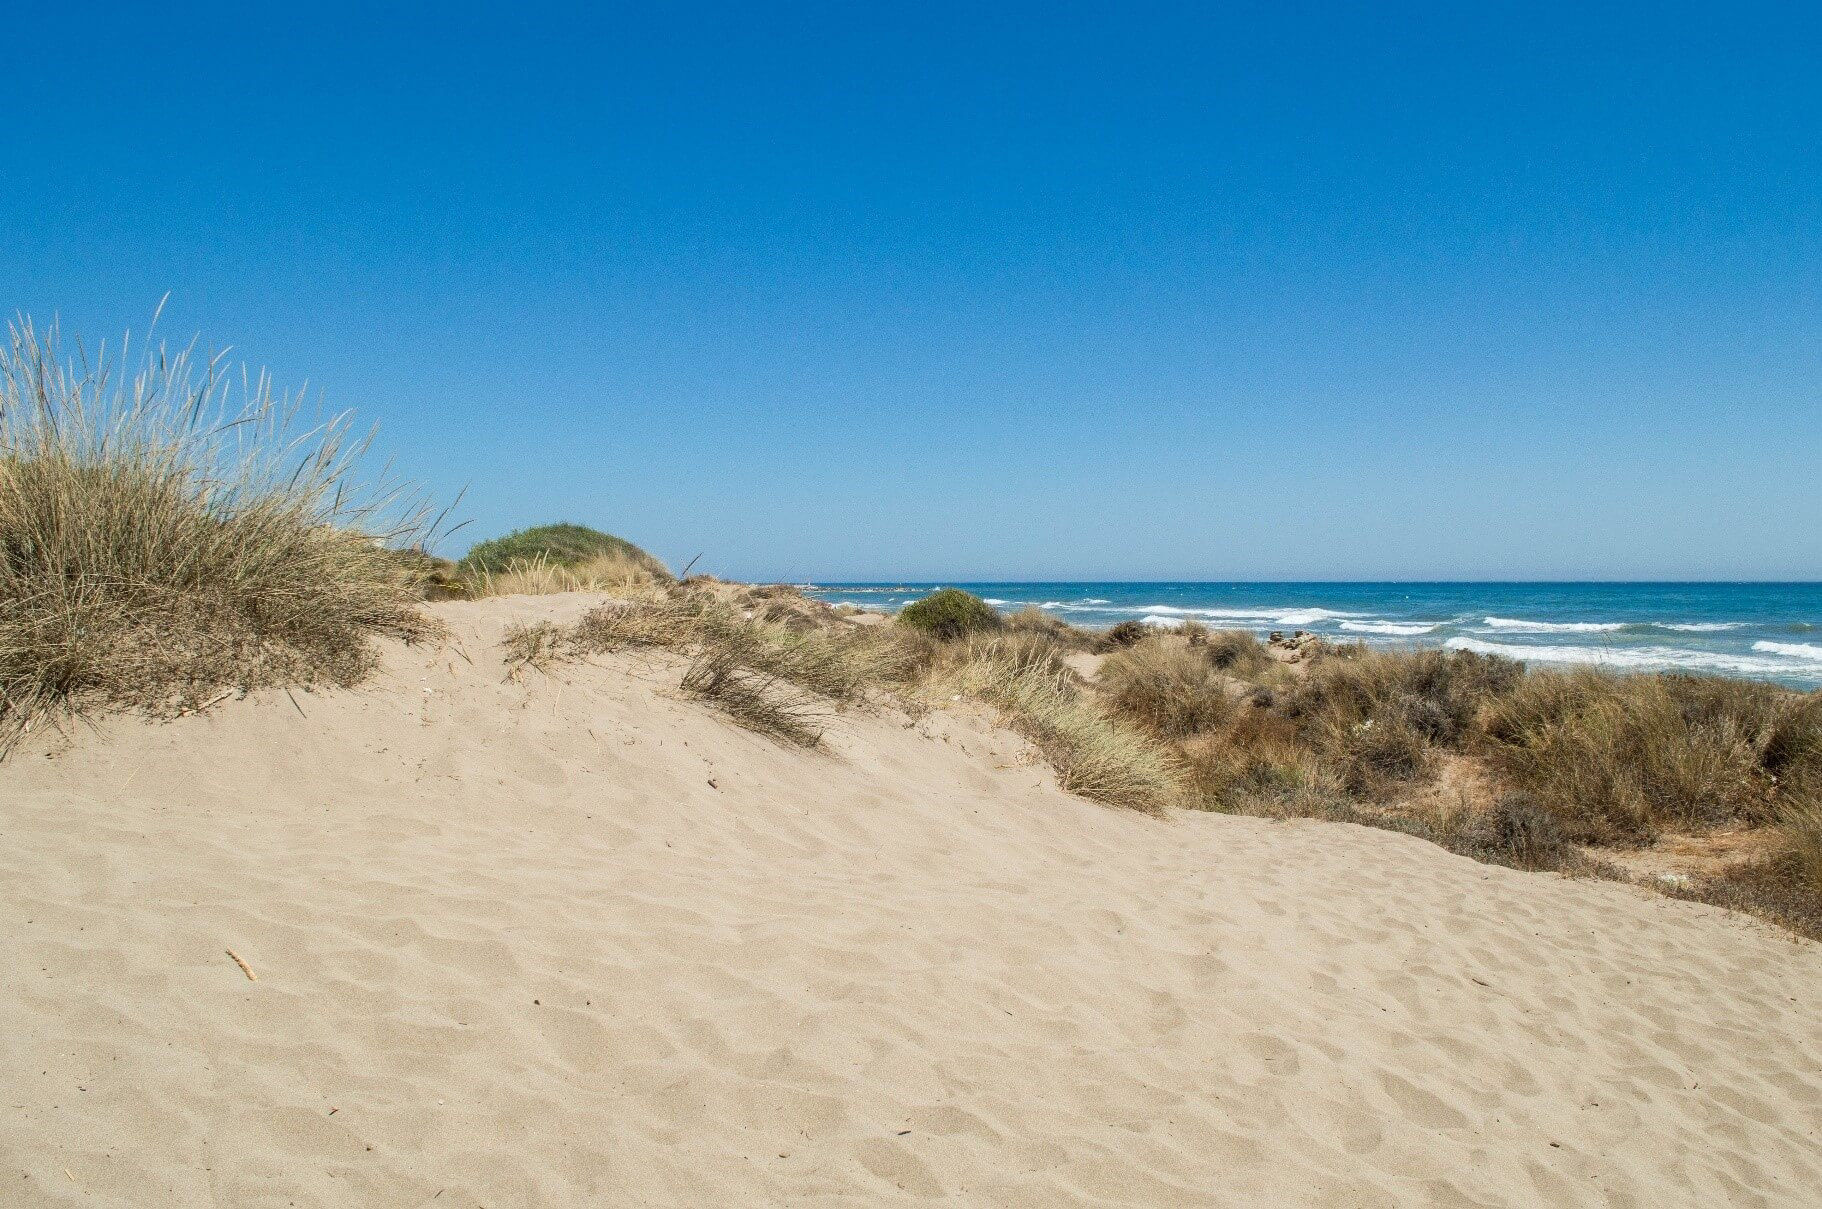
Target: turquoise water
1764	631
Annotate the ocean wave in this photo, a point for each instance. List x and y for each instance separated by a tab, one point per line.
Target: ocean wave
1395	629
1095	600
995	601
1239	617
1644	658
1809	652
1512	625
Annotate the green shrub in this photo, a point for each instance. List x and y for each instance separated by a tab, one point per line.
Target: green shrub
949	614
561	545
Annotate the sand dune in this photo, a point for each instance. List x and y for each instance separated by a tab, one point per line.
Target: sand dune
579	942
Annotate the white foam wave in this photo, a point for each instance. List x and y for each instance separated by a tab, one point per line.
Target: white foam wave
1162	623
1238	617
995	601
1644	658
1395	629
1095	600
1700	627
1809	652
1512	625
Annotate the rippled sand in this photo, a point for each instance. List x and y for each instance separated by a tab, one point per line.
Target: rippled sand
577	942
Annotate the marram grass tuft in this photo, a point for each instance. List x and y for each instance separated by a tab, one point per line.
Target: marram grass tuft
176	534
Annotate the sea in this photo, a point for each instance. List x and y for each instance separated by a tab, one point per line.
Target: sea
1765	631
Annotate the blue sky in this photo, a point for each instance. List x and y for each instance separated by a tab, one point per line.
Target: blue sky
989	291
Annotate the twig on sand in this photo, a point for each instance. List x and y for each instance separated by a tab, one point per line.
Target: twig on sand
217	699
244	967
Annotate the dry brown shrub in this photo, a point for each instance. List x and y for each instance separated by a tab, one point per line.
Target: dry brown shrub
1169	689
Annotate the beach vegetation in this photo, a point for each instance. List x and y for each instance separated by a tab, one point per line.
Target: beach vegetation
950	614
171	532
1033	620
560	545
1125	634
1168	689
1236	652
563	557
1095	753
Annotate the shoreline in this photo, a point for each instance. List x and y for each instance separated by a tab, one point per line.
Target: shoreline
1768	632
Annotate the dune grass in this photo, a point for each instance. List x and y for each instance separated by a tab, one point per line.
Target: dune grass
617	573
1033	620
1126	633
1095	754
170	532
1172	691
760	671
1621	758
1236	652
756	693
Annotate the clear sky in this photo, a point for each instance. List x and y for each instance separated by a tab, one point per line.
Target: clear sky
981	291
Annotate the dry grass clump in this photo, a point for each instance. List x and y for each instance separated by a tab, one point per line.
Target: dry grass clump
1379	716
1778	889
779	604
1095	755
1515	831
1256	765
1620	758
1125	634
1033	620
1785	886
1167	688
753	685
1792	751
617	573
179	535
765	675
1801	824
1236	652
437	578
1439	693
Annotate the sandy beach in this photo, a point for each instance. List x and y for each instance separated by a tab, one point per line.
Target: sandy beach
575	941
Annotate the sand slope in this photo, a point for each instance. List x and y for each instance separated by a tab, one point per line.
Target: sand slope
578	942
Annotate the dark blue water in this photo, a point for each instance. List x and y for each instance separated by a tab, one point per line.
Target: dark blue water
1764	631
